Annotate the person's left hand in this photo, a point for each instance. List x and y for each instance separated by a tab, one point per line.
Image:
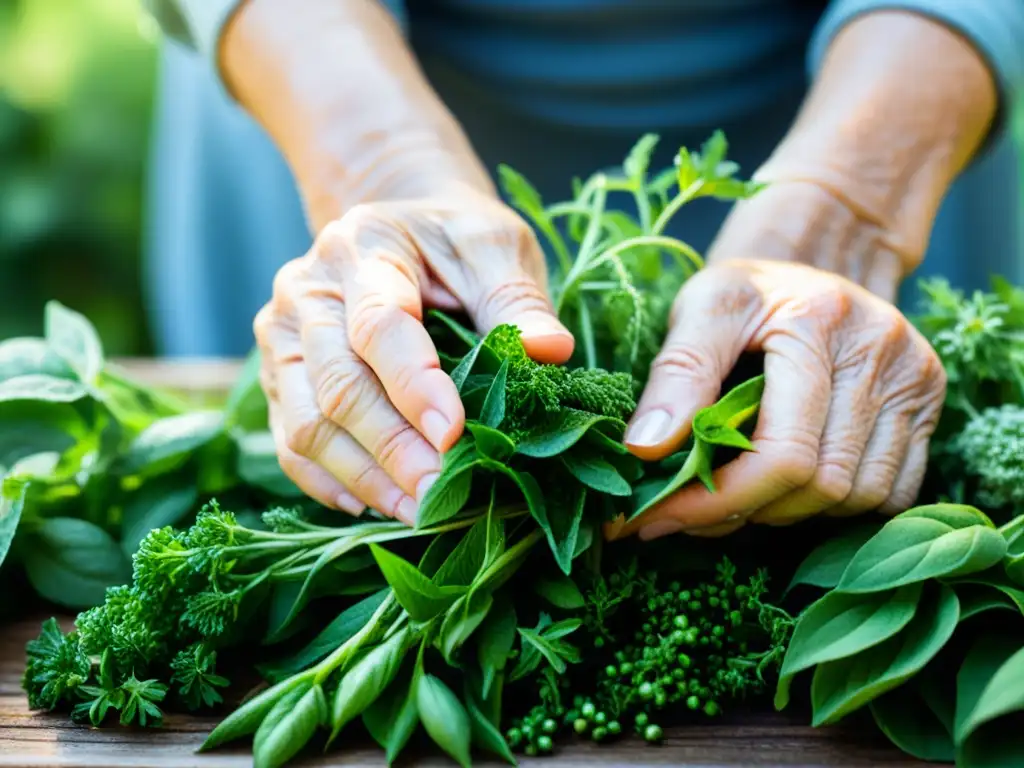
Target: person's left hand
852	390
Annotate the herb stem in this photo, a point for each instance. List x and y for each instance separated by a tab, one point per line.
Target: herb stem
684	196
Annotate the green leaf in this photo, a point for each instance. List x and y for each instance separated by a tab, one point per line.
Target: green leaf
494	641
258	465
847	684
247	718
652	492
546	641
465	367
825	565
343	628
990	684
461	566
1016	596
840	625
491	443
470	338
71	562
367	679
450	492
493	412
520	193
12	501
461	621
74	338
393	717
638	161
561	592
910	549
485	735
246	406
444	718
418	595
597	474
562	432
905	718
23	355
719	424
158	503
41	387
171	439
289	734
953	515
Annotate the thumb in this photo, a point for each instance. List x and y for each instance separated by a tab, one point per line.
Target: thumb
712	322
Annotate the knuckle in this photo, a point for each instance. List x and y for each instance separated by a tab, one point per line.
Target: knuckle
874	483
344	389
369	322
262	323
833	482
521	294
684	361
306	435
794	460
392	448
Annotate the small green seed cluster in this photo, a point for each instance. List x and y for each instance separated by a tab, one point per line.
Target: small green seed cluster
532	734
588	720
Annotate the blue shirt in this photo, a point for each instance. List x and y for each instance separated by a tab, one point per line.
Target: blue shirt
556	89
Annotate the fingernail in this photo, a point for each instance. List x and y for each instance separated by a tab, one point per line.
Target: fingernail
406	510
540	325
659	528
424	485
650	429
435	427
613	529
349	503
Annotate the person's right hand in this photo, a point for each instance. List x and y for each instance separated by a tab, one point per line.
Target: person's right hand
359	406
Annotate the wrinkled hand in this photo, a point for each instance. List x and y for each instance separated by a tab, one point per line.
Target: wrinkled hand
852	396
359	406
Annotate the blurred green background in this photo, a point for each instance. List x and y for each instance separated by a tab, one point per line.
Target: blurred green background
76	80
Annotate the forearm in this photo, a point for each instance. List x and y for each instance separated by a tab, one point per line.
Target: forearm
899	107
336	88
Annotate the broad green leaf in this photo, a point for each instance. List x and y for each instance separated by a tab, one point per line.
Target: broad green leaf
344	627
292	731
74	338
905	718
393	717
719	424
258	465
953	515
171	439
491	443
41	387
597	474
493	411
652	492
444	718
562	432
461	621
840	625
461	566
1016	596
847	684
990	684
494	641
421	598
22	356
71	562
246	406
158	503
1014	568
281	707
561	592
367	679
826	563
12	501
485	735
450	492
465	367
247	718
978	600
561	531
914	548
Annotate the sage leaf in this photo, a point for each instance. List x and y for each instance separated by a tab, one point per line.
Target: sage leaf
444	718
158	503
824	566
172	438
74	338
562	432
718	424
914	548
490	442
450	492
840	625
493	411
247	718
561	592
495	638
12	501
292	731
41	387
842	686
990	684
905	718
596	473
419	596
367	679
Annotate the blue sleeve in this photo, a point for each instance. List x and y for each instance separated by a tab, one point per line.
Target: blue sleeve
994	27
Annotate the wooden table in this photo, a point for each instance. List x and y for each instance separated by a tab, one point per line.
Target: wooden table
40	740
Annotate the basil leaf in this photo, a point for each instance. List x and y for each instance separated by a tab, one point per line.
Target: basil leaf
25	355
494	641
419	596
562	432
596	473
911	549
826	563
561	592
904	716
953	515
840	625
461	621
367	679
12	501
289	734
169	440
41	387
248	717
493	411
462	565
444	718
393	717
71	562
652	492
258	465
718	424
450	492
844	685
490	442
74	338
975	602
485	735
990	684
158	503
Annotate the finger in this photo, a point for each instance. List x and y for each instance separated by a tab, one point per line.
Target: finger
384	328
911	475
310	435
787	439
349	394
711	325
315	481
712	532
437	296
